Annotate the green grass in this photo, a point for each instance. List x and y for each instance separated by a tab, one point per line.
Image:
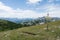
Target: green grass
39	30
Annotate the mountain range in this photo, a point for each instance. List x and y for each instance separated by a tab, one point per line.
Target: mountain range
19	20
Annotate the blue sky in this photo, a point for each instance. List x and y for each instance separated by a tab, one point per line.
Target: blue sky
29	8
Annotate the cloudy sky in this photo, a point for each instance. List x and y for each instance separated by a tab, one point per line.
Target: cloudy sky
29	8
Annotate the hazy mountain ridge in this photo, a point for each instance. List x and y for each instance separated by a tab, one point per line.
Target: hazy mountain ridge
18	20
13	23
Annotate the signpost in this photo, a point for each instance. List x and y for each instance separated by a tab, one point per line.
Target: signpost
47	20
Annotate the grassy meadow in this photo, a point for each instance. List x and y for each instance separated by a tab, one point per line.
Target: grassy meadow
37	32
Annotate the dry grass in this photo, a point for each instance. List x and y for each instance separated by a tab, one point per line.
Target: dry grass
39	30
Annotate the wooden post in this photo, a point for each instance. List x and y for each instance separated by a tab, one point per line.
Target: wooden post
47	21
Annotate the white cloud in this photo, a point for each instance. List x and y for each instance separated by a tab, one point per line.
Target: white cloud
6	11
53	10
6	8
33	1
51	0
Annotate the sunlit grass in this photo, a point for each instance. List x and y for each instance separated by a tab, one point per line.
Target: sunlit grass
39	30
